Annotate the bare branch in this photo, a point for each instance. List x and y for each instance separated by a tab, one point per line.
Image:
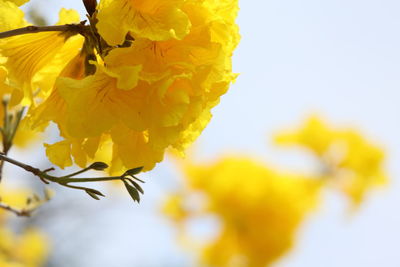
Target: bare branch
134	189
18	212
72	28
24	166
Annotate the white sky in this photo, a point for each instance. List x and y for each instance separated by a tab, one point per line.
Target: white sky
337	57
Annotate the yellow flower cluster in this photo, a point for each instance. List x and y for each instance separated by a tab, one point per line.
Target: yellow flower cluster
349	160
259	208
141	78
27	249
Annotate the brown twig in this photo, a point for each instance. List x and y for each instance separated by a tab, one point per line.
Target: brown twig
73	28
18	212
127	178
24	166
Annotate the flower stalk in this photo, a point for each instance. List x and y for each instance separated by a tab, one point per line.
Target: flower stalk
128	178
9	129
18	212
70	28
90	6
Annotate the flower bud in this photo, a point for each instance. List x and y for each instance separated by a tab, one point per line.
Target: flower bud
98	166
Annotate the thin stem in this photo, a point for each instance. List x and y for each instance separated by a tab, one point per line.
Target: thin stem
73	28
24	166
133	189
10	123
16	124
1	169
18	212
76	173
60	180
4	134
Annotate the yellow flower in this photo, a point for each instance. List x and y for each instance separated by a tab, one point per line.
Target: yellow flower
33	248
18	2
18	74
174	208
349	160
54	107
25	136
11	17
14	198
59	153
29	54
156	20
132	149
259	209
30	249
96	102
145	82
145	97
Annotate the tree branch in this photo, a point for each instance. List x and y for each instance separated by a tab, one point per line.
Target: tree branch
73	28
24	166
133	187
18	212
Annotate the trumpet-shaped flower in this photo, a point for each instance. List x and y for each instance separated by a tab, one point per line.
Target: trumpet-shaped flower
27	55
142	78
149	95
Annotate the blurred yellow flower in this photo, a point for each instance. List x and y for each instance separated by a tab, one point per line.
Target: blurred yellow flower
348	159
29	249
18	2
259	209
14	198
174	207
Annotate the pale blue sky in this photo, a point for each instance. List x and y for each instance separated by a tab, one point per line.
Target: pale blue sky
337	57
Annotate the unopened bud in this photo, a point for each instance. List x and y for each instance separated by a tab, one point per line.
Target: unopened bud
90	6
98	166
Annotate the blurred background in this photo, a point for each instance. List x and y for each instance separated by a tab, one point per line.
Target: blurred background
339	59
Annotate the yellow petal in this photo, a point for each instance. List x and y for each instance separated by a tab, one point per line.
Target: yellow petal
59	153
11	17
29	53
18	2
133	149
95	104
68	16
155	20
